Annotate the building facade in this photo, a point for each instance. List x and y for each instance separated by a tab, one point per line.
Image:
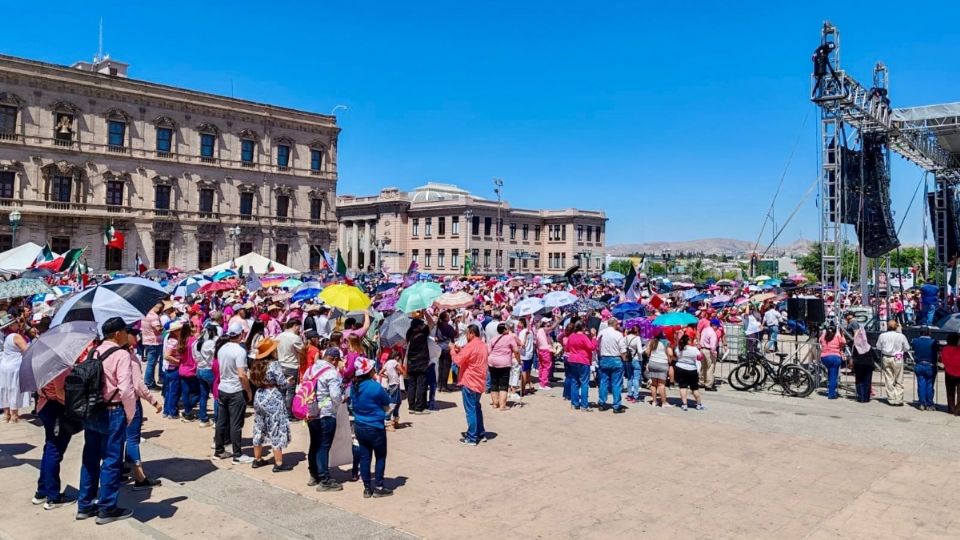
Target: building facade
191	179
440	226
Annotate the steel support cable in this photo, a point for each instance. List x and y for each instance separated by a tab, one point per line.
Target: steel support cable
783	177
792	214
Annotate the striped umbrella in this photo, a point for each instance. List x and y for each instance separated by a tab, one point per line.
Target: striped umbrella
129	298
189	286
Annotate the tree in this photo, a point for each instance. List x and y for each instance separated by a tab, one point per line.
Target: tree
810	262
657	269
620	265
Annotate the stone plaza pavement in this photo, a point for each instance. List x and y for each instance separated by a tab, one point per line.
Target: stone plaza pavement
754	465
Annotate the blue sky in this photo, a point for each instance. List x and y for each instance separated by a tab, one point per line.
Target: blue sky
676	119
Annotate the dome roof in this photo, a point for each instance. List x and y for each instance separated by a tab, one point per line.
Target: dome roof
433	192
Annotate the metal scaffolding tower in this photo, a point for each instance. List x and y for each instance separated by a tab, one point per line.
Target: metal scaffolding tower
844	102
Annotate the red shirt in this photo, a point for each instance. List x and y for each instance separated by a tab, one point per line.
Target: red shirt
950	356
472	360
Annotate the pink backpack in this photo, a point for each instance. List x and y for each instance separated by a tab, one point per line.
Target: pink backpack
304	405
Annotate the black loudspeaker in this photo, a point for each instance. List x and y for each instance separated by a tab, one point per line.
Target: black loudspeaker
806	309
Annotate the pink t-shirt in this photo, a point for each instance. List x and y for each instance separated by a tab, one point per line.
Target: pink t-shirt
148	329
579	348
502	350
543	340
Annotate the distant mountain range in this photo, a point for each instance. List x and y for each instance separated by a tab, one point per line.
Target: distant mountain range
709	246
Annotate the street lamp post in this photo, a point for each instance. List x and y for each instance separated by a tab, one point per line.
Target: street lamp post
235	235
15	220
499	191
468	217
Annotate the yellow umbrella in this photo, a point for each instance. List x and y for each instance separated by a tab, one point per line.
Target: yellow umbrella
345	297
762	297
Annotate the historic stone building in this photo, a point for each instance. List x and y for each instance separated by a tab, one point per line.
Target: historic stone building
439	225
191	179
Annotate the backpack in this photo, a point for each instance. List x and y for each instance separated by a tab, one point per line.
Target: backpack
83	387
304	405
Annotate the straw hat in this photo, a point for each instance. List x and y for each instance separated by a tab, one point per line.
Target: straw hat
266	347
7	320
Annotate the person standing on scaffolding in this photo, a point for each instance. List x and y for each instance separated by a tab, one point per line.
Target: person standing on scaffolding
929	301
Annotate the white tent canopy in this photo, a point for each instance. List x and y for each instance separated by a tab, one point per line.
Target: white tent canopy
19	258
257	261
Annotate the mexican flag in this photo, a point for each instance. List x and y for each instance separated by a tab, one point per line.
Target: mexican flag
82	276
45	255
341	265
62	263
141	268
270	267
112	237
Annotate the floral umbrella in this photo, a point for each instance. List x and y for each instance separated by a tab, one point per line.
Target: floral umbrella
454	300
18	288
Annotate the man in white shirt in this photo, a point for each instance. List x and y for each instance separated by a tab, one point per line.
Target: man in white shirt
771	322
893	346
233	389
289	350
709	345
612	350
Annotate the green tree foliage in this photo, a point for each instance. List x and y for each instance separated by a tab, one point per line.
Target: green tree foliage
810	262
620	265
657	269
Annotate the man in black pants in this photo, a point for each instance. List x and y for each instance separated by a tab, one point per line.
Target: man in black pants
444	334
234	391
418	362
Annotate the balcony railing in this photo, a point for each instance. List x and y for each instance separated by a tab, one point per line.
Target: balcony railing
9	136
164	155
206	159
63	142
116	149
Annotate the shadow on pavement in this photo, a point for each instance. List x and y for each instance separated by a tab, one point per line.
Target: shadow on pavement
9	453
145	510
181	469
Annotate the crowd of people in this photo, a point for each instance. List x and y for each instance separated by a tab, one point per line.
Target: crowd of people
207	358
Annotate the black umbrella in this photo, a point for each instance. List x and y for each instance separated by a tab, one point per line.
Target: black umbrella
129	298
157	273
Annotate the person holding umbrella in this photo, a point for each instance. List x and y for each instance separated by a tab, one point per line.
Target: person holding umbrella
14	345
105	432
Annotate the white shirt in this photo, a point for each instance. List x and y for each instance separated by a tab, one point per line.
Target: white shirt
231	357
771	318
612	343
893	343
753	325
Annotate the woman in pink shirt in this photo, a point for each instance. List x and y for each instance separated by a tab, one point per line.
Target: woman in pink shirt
545	352
504	352
831	355
135	427
579	348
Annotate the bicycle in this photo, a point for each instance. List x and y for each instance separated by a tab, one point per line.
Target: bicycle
755	370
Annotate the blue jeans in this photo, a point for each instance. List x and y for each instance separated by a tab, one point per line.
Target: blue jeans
471	406
567	380
611	379
322	431
926	375
928	313
102	460
396	397
189	393
373	442
634	372
832	362
133	436
579	384
55	445
432	388
205	381
774	333
171	392
153	354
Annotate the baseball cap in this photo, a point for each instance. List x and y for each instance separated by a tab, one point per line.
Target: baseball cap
235	330
333	352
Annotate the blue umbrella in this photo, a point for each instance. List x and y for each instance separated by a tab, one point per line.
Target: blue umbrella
385	287
305	294
224	274
675	318
612	275
629	310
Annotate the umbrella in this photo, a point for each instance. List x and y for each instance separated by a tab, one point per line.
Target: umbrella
454	300
762	278
23	287
585	304
762	297
527	306
345	297
223	274
35	273
129	298
189	286
385	287
628	310
215	286
53	353
418	296
394	329
675	318
721	299
157	273
558	299
388	303
611	275
290	283
305	294
174	270
725	282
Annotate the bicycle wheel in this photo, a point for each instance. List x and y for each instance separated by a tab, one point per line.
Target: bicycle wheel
745	376
796	381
